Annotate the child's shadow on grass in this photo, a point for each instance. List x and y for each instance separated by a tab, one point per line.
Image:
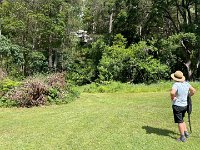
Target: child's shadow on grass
159	131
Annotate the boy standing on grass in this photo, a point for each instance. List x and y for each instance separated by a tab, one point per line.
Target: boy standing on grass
179	95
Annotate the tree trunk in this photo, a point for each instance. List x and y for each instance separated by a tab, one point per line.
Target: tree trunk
50	51
25	67
189	71
55	61
0	27
110	22
62	62
184	12
198	63
110	26
196	12
189	18
178	18
50	63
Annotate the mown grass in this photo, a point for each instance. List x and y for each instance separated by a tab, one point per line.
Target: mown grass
99	121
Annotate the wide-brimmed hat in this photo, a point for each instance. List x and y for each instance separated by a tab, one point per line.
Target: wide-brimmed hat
178	76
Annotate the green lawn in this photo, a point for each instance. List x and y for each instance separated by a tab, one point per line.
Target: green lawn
130	121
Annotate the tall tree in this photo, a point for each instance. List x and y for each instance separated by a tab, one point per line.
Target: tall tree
40	25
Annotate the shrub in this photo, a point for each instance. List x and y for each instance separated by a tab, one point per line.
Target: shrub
6	84
31	93
2	74
37	91
60	91
4	102
57	81
84	69
134	64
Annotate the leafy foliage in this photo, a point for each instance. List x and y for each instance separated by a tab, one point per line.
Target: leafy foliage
6	84
84	68
133	41
180	51
42	30
132	64
11	55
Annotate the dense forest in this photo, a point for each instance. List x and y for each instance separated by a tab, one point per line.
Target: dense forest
136	41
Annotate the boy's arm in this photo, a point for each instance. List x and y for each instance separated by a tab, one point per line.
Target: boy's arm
173	94
192	90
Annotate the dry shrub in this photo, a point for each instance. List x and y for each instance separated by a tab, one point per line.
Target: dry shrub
31	93
2	74
57	81
58	87
42	90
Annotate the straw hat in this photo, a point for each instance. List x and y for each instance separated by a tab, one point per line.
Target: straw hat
178	76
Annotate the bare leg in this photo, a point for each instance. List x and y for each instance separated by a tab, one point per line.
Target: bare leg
187	135
185	128
181	127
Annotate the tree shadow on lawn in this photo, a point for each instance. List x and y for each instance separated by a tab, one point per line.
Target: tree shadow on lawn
159	131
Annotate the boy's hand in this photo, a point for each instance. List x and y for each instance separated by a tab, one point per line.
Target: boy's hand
174	99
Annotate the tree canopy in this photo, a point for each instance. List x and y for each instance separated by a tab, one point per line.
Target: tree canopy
128	41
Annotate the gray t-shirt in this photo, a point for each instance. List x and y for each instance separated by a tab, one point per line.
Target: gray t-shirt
182	89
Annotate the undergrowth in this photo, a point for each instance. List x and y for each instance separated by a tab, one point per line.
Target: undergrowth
112	87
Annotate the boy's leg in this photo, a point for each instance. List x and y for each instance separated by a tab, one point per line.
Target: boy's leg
181	127
187	135
185	128
178	118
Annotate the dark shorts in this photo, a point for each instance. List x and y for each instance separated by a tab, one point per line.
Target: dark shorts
179	113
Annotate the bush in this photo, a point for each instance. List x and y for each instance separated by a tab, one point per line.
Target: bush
150	71
57	81
60	92
6	84
32	93
38	90
84	69
134	64
2	74
4	102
